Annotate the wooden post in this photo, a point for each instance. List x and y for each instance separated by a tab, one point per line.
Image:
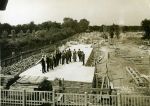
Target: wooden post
53	97
118	99
85	98
149	57
24	98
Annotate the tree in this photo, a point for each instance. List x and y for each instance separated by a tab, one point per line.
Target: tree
44	25
117	31
32	36
31	26
96	28
7	27
13	33
114	30
4	34
70	23
18	28
83	24
146	27
111	34
28	31
111	31
20	34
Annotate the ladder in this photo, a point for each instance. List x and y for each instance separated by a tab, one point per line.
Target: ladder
135	75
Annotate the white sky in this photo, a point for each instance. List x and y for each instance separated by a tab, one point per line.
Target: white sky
98	12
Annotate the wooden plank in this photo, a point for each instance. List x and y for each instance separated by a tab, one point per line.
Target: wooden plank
59	98
135	76
132	75
146	77
102	85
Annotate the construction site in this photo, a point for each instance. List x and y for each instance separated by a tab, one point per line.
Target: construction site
113	67
74	53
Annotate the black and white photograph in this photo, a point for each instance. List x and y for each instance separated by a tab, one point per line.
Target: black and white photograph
75	52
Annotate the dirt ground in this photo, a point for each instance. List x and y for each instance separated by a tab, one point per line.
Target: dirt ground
118	56
127	51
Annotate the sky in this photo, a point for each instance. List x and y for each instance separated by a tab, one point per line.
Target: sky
98	12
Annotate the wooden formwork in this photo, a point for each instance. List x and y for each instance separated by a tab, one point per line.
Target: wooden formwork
136	76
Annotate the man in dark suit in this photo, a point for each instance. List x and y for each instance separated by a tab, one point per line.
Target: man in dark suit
43	65
48	63
83	57
70	55
51	62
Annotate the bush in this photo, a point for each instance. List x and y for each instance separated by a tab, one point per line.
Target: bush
11	81
45	86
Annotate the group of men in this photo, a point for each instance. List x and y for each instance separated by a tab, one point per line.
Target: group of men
66	56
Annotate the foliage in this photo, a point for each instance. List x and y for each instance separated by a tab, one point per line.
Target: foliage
131	28
83	25
4	34
146	27
45	86
117	31
70	23
96	28
114	30
111	31
21	38
122	28
11	81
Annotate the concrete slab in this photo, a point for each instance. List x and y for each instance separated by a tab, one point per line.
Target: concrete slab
74	71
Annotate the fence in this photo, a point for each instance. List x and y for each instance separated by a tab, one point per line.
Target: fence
25	98
16	58
135	100
37	98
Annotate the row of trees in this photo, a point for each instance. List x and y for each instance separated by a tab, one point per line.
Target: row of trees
146	27
116	29
6	29
30	36
122	28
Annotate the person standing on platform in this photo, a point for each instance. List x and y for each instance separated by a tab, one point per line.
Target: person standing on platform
48	63
51	62
43	65
63	57
54	60
74	55
59	56
42	61
69	55
79	54
83	57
